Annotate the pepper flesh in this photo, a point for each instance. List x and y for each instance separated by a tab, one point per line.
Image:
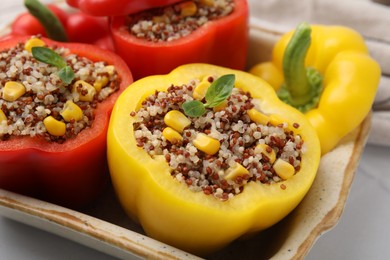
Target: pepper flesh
71	174
194	221
350	79
221	42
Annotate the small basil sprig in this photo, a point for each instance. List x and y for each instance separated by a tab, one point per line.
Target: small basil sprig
50	57
218	92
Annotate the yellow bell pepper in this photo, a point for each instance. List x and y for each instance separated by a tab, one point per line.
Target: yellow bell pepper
327	73
193	221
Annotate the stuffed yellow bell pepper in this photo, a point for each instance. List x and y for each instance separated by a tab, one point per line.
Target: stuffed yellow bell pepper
327	73
205	155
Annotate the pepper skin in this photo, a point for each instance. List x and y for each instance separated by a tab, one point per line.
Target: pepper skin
167	210
71	174
117	7
350	79
221	42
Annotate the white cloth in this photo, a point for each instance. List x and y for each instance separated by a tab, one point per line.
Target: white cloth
369	18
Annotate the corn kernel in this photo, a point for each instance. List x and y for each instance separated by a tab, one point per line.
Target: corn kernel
220	106
177	120
267	151
234	171
13	90
283	169
160	19
33	42
71	111
258	117
200	90
2	116
54	127
188	8
171	135
100	83
206	144
207	2
85	90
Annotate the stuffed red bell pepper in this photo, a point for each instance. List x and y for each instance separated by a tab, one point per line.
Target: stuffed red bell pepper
55	103
154	37
158	40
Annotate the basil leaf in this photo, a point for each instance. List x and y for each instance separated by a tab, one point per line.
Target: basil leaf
48	56
194	108
66	74
220	90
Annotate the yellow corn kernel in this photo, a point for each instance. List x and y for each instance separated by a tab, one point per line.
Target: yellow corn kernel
100	82
207	2
258	117
220	106
2	116
177	120
171	135
206	144
234	171
267	151
54	127
13	90
188	8
283	169
71	111
33	42
200	90
85	90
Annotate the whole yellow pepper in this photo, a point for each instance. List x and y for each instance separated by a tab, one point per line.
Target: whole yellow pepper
193	221
327	73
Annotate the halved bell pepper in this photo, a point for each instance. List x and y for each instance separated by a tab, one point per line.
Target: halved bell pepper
326	72
117	7
167	209
221	42
75	172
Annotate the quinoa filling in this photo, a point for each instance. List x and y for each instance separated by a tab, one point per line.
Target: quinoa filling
34	101
179	20
222	150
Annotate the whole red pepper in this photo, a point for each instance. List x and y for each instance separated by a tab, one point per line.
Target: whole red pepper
79	27
75	172
221	42
117	7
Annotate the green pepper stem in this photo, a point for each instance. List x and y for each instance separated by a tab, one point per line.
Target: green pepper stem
302	85
53	27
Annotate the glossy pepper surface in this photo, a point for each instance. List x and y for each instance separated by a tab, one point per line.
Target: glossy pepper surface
168	210
117	7
221	42
327	72
75	172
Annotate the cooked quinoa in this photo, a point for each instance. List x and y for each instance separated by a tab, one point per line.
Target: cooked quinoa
179	20
46	94
236	133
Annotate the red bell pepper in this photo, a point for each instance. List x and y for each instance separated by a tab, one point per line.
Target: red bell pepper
221	42
71	174
78	26
117	7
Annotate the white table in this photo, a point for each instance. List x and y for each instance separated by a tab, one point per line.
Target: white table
362	232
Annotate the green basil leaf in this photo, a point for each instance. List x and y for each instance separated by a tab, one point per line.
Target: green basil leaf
48	56
66	74
220	90
194	108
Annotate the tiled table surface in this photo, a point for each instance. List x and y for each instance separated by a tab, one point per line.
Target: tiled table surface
362	232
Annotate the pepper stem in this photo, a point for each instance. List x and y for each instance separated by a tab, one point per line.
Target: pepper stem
303	86
48	19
